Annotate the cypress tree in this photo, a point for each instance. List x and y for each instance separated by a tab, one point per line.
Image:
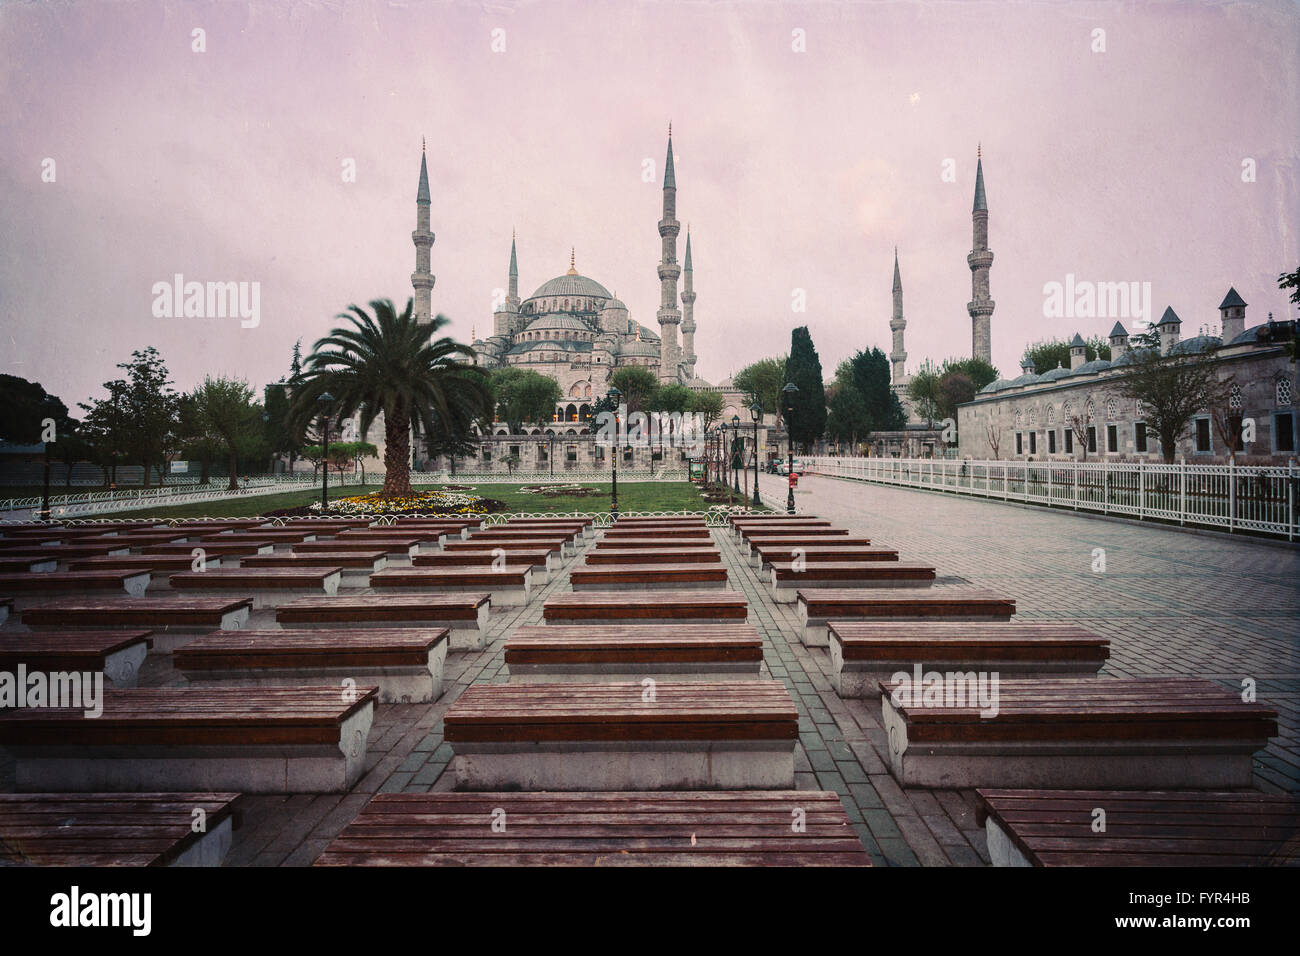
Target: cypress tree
804	369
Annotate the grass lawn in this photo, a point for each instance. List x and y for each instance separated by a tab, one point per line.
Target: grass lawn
632	496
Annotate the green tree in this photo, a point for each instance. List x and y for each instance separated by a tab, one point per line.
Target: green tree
708	405
225	412
763	381
847	420
954	388
390	364
871	378
923	390
198	442
979	372
672	398
24	409
1173	390
638	385
140	416
349	454
1049	353
522	396
804	370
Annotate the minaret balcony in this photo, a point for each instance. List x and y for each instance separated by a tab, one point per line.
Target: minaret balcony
422	235
980	259
981	307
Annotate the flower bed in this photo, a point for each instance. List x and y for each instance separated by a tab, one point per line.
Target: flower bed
420	502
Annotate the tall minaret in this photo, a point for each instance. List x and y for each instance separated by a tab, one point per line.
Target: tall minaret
422	279
505	320
688	315
980	306
896	325
668	315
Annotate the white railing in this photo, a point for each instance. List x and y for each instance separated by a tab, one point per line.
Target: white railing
561	476
1258	499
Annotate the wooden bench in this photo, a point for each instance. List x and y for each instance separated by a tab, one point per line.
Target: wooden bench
753	546
818	606
863	654
1052	733
424	537
739	528
786	578
116	654
694	607
28	565
657	545
648	577
279	538
355	566
741	517
395	547
172	620
26	586
406	664
267	586
509	586
219	523
660	735
553	549
492	538
158	565
539	559
762	557
132	540
1143	828
579	529
794	536
465	615
686	828
66	552
615	555
661	532
630	652
249	739
115	829
322	526
230	548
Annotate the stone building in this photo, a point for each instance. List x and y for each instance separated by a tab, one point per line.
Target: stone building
1034	415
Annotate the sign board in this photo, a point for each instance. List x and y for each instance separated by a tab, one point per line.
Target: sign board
180	467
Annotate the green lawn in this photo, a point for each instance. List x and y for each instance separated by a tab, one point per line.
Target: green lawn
632	496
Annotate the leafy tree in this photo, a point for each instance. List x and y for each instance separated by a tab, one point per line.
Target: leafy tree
1291	280
848	418
673	398
764	380
225	412
198	442
282	439
804	370
638	385
348	454
24	408
871	379
390	364
1049	353
1147	338
923	390
954	388
140	417
522	396
1173	390
980	372
708	405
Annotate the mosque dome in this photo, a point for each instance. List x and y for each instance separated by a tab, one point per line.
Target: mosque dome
1096	365
571	284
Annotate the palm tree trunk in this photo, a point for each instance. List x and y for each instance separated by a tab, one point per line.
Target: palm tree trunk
397	454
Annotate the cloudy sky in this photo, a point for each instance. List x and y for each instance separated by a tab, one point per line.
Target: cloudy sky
811	139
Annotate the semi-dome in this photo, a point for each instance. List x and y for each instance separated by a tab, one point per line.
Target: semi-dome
1051	375
1096	365
553	322
995	386
572	284
1029	378
640	348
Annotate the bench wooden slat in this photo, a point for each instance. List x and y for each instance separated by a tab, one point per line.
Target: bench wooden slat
595	605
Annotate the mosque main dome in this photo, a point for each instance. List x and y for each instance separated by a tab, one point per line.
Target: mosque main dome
571	284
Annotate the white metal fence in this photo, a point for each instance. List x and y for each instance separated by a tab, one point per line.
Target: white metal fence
1259	499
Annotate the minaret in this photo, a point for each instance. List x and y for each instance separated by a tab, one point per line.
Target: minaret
668	315
506	319
980	306
422	279
688	315
896	325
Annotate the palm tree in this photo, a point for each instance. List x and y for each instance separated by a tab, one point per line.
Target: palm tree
392	365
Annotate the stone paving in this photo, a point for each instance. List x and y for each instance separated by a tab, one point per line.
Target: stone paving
1172	603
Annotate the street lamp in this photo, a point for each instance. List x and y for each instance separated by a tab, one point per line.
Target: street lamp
735	437
325	401
788	393
756	413
614	395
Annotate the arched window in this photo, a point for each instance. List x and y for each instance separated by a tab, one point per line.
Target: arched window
1051	414
1033	417
1019	417
1285	396
1111	409
583	412
566	305
1088	411
571	413
1234	397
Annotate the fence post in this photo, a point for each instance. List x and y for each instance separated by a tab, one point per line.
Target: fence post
1232	492
1105	489
1074	467
1182	491
1142	492
1290	500
1049	484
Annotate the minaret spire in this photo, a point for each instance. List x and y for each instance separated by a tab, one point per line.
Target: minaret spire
898	357
422	278
688	314
980	259
668	315
505	319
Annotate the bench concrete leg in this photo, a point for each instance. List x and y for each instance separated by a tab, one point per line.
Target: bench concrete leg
629	768
210	848
1002	852
123	667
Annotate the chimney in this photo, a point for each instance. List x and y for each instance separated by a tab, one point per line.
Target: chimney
1118	342
1169	326
1078	352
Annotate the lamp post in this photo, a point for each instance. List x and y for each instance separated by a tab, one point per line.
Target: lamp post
735	437
756	413
325	401
614	395
788	393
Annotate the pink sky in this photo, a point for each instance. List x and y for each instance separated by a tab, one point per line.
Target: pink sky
795	170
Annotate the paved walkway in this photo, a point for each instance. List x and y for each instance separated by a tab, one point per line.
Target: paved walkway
1172	604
